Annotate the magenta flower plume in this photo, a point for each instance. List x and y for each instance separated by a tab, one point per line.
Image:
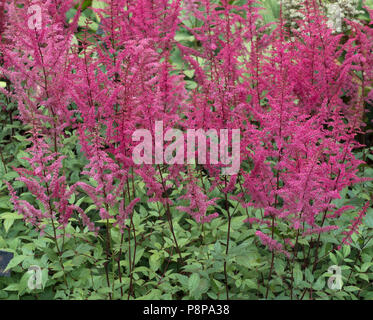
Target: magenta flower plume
354	227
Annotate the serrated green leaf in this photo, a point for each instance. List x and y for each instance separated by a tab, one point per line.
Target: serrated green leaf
193	282
15	262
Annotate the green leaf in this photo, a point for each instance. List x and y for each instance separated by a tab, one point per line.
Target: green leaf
12	287
309	275
67	254
15	262
319	284
11	215
152	295
22	154
111	221
193	283
346	251
84	21
97	4
190	84
250	283
366	266
189	73
333	258
154	261
351	288
139	254
10	176
179	36
368	219
298	275
363	276
7	224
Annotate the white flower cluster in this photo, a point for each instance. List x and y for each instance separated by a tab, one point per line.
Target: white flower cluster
348	9
291	10
336	11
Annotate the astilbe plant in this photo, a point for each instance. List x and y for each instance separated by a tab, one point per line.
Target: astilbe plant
294	97
301	134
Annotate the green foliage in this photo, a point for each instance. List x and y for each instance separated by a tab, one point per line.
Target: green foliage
144	262
78	271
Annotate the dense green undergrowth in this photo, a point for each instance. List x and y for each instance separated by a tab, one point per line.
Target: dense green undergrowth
216	260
